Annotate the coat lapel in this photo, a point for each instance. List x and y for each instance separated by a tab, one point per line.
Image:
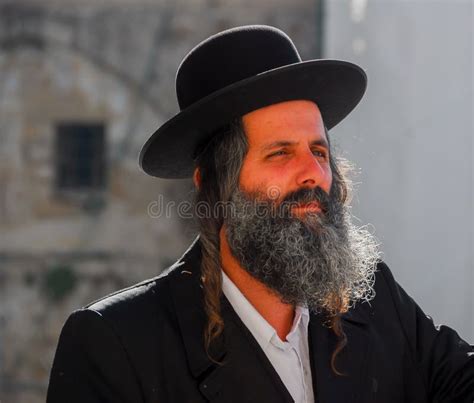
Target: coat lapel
245	374
351	361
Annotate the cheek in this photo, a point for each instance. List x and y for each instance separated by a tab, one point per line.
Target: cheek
264	179
254	172
245	174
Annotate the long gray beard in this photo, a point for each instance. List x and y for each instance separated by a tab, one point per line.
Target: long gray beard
317	260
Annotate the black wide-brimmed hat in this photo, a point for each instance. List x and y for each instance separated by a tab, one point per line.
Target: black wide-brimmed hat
235	72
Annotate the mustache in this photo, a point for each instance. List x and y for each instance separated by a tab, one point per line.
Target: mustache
306	195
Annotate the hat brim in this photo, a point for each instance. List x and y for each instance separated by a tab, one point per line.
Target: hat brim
336	86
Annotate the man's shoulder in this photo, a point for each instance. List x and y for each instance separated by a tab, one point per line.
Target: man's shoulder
128	324
385	284
137	303
390	302
146	306
383	271
379	303
149	295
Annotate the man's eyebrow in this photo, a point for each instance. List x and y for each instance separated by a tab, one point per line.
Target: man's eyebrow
286	143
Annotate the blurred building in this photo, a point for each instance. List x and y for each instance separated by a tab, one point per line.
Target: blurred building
82	86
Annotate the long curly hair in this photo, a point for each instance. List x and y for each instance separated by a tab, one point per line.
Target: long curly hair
219	163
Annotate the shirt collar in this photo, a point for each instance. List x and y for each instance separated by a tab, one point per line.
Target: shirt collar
256	323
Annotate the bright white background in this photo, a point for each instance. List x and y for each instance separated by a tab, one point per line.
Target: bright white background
411	136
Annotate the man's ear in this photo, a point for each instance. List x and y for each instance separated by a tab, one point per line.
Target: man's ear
197	177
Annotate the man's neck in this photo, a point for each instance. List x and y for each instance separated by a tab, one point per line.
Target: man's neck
278	314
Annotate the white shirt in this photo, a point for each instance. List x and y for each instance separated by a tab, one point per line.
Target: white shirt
290	358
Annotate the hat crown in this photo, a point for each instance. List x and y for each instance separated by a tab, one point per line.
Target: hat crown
231	56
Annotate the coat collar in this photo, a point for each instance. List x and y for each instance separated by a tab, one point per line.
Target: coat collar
215	380
188	301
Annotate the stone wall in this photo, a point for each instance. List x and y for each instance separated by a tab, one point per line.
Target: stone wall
112	62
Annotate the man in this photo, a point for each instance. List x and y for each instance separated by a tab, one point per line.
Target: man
281	298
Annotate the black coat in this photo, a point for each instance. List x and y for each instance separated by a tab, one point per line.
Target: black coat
145	344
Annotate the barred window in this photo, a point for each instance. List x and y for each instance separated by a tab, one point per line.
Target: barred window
80	156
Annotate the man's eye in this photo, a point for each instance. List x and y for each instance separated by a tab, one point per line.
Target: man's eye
320	153
276	153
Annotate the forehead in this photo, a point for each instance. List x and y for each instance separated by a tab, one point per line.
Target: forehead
295	121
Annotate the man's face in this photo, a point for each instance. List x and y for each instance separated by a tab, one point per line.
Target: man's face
288	151
310	254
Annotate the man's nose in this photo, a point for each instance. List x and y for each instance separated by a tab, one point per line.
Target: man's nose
310	172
